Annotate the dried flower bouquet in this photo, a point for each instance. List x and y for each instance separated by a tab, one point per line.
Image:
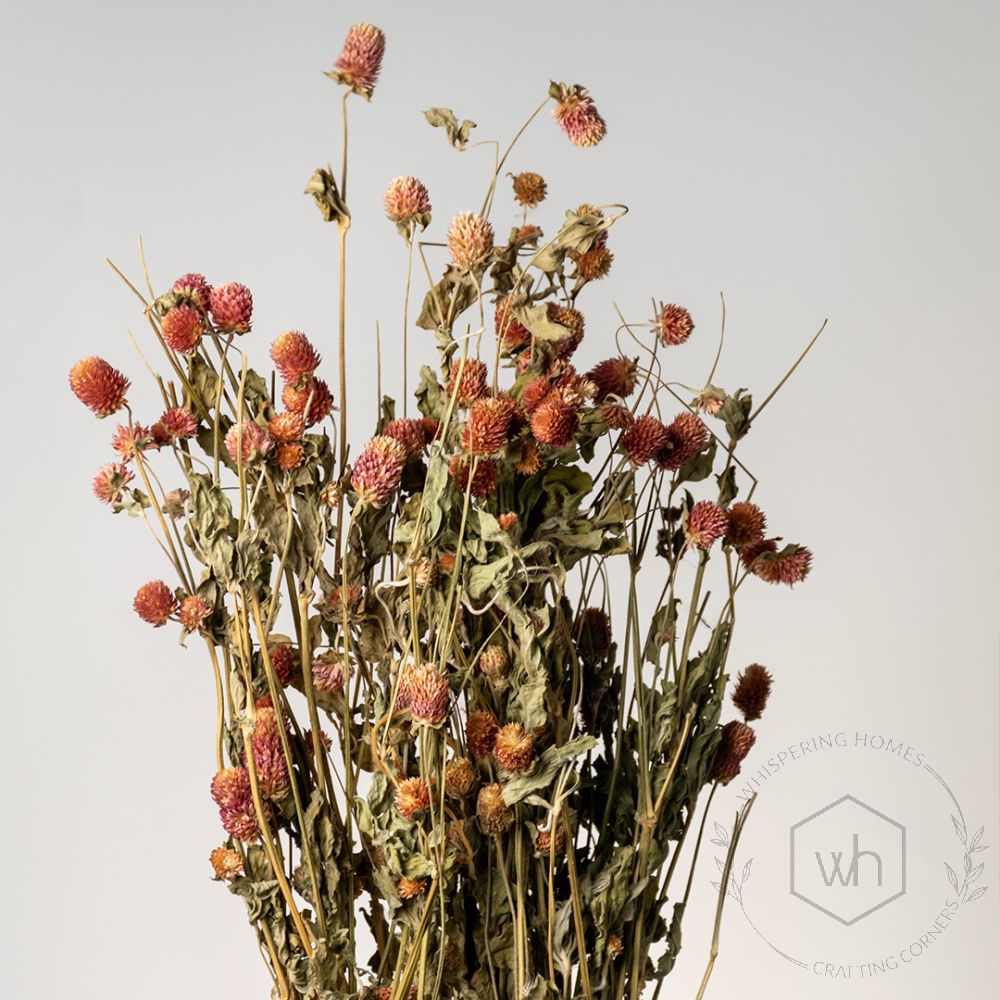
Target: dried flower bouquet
435	713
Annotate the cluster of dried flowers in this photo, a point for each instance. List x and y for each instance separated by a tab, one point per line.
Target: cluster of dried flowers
512	759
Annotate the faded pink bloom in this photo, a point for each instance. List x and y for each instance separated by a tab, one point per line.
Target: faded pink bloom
378	470
410	434
232	794
249	441
111	481
269	756
175	424
790	565
194	287
328	672
98	386
470	240
127	440
232	307
154	603
407	200
674	325
193	612
577	115
294	357
686	436
360	60
706	524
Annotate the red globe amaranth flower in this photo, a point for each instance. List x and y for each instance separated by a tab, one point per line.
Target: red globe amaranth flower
510	332
747	525
227	864
477	475
644	440
753	687
378	470
430	426
268	755
182	328
413	796
194	612
594	264
410	434
98	386
128	440
593	634
529	189
154	603
494	815
249	440
674	325
110	482
514	748
470	240
328	672
282	658
570	318
294	357
340	596
577	115
481	730
614	377
555	420
313	400
194	288
616	417
232	794
232	307
790	565
425	692
687	435
360	60
534	392
706	524
287	426
174	424
737	741
407	200
488	428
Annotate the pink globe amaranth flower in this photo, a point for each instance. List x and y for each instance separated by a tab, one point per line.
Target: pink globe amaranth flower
269	756
232	307
328	672
614	377
789	565
232	794
687	435
182	328
110	482
357	67
577	115
555	420
195	288
378	470
155	602
407	200
175	424
282	658
470	240
410	434
194	611
706	524
249	442
294	357
674	325
128	440
313	401
467	381
425	692
643	440
98	386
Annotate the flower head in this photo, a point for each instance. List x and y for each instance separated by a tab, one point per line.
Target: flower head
529	189
232	794
488	428
495	664
706	524
594	264
313	400
409	888
410	434
294	357
226	863
687	435
269	756
154	603
644	440
407	201
110	482
753	687
470	240
194	612
510	332
182	327
290	456
477	475
282	657
570	318
790	565
174	503
674	325
481	730
593	634
98	386
425	692
378	470
357	67
577	115
614	377
232	307
175	423
737	741
459	777
514	748
127	440
413	796
287	426
617	417
747	524
531	460
555	420
249	442
494	815
194	288
328	672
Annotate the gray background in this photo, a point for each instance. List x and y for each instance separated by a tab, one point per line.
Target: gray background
809	159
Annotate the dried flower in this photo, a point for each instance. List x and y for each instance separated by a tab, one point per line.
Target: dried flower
408	202
98	386
287	426
232	794
706	524
489	425
614	377
737	741
328	672
467	380
494	663
174	503
175	424
460	777
248	442
424	691
507	521
555	420
615	946
494	815
470	240
790	565
408	888
687	435
674	325
127	440
378	471
182	328
593	634
226	863
616	417
530	461
154	603
290	456
268	755
644	440
514	749
313	400
477	475
594	264
577	115
294	357
340	596
110	482
753	686
232	307
357	67
282	657
534	392
410	434
481	732
544	841
194	289
746	525
710	400
570	318
194	612
446	562
413	796
331	494
529	189
511	333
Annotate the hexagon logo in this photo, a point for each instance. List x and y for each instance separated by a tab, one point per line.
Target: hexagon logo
848	860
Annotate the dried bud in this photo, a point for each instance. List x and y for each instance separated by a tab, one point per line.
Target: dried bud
268	755
231	792
737	740
507	521
290	456
514	749
408	888
510	332
282	657
193	289
544	841
555	420
594	264
460	777
248	442
413	796
495	665
232	307
470	241
111	481
328	672
593	634
577	115
752	690
530	461
175	424
529	189
614	377
477	475
687	435
747	524
360	60
175	502
494	815
425	692
789	566
481	732
313	401
295	358
226	863
331	494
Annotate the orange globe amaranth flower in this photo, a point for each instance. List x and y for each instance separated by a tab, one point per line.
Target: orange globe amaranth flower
555	420
494	815
534	392
645	439
231	792
129	440
248	442
194	290
705	525
507	521
194	611
446	562
287	427
413	796
283	659
425	692
577	115
411	434
378	471
313	400
410	887
470	241
687	435
790	565
268	755
747	524
514	748
572	320
407	201
616	417
530	461
488	428
175	424
467	380
529	189
295	357
674	325
232	307
481	730
360	60
594	264
737	741
182	328
98	386
460	777
227	864
290	456
494	663
477	475
511	333
110	482
614	377
155	603
753	688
